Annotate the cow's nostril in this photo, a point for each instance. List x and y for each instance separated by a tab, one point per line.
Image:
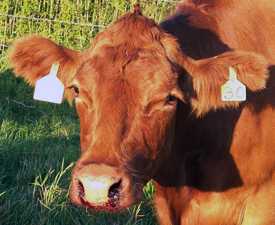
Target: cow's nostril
81	191
113	193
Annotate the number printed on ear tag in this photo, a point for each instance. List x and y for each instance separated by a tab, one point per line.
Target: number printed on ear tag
233	89
49	88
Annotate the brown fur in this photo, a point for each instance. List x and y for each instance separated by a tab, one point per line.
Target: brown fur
214	166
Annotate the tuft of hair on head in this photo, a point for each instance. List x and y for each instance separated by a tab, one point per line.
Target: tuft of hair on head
137	9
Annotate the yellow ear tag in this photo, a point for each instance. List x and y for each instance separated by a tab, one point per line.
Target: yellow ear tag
233	89
49	88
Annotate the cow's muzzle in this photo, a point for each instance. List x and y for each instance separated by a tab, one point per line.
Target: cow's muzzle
102	187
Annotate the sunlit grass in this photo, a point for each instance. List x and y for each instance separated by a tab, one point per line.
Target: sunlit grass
149	190
50	194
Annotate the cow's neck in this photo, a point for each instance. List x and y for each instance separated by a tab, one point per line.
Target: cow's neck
181	182
209	169
214	153
202	142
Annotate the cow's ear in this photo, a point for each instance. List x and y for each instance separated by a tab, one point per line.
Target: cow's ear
32	58
208	75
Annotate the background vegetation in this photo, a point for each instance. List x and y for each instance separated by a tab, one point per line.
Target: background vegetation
38	141
69	22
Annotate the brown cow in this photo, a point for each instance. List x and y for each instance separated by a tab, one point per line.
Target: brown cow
148	99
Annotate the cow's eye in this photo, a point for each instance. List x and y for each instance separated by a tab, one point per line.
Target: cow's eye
171	100
75	90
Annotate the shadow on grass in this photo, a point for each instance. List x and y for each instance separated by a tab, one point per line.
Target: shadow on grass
16	99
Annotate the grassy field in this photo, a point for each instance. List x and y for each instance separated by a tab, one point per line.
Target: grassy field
39	142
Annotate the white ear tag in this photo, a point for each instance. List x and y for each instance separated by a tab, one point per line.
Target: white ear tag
49	88
233	90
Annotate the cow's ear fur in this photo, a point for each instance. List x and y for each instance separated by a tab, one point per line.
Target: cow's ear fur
212	73
32	57
208	75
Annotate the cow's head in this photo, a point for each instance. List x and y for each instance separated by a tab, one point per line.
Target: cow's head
126	88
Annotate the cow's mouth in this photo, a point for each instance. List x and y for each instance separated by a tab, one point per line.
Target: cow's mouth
106	207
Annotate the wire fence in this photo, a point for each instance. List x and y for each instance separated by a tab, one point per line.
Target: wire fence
70	23
14	20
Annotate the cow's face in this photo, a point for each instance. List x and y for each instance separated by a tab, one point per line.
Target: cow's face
126	96
126	88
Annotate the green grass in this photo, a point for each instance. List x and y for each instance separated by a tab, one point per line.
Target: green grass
39	143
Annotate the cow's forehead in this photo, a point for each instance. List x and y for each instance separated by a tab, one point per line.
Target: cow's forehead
128	51
144	73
